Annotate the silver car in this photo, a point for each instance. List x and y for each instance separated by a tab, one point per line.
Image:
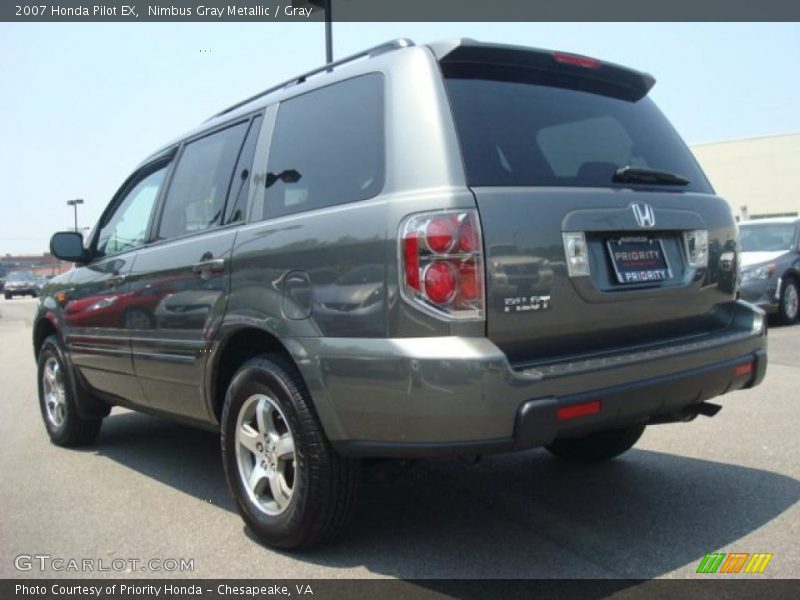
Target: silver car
769	262
20	283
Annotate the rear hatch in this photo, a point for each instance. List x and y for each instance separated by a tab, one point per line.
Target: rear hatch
561	150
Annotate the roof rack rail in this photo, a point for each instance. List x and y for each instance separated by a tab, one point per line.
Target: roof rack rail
369	52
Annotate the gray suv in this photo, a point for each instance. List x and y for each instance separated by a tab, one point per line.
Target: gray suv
452	249
770	265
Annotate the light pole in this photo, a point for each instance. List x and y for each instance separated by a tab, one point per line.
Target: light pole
328	32
325	5
74	204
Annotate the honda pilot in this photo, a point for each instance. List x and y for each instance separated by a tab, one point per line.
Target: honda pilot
452	249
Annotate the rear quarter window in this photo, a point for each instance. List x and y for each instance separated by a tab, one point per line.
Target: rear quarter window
327	147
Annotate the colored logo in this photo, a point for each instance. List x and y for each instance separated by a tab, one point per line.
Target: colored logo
734	562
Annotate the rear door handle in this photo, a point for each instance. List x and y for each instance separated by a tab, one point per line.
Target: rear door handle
115	280
214	265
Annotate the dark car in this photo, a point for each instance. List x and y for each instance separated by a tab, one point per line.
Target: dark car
451	249
769	258
21	283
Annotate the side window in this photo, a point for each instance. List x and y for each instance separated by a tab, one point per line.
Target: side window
237	200
327	147
196	197
127	227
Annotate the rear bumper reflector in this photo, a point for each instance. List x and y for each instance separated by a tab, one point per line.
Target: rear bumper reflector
743	369
581	409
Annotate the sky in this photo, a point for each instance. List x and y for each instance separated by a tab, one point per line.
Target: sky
82	104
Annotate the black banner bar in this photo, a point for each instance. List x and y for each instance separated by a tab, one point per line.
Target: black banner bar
392	589
397	10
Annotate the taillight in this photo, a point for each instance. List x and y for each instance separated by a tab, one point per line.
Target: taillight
469	279
469	236
440	234
440	282
411	261
442	258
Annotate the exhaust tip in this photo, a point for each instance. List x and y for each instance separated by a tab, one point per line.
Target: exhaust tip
707	409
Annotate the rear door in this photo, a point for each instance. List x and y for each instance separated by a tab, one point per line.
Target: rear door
97	308
182	278
566	155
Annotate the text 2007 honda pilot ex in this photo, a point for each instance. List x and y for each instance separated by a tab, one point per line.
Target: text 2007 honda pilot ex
459	248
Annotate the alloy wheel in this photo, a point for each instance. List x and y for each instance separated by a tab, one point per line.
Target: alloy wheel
791	301
55	396
265	454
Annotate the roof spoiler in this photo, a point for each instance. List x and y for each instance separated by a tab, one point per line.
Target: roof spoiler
467	58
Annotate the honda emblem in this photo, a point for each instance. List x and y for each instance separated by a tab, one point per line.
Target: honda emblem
645	217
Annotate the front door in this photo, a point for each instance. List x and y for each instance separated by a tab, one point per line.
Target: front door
97	308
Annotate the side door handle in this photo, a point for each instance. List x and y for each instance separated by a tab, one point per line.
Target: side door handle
213	265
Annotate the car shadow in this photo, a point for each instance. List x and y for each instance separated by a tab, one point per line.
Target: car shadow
185	458
524	515
774	320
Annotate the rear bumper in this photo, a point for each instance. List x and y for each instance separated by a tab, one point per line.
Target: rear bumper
660	399
453	395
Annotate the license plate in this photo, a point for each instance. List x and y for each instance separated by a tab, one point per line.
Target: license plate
638	259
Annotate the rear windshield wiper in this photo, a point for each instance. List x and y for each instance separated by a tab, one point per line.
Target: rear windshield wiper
643	175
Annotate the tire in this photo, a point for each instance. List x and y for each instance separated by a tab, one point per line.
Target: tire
57	399
304	493
9	296
790	302
599	446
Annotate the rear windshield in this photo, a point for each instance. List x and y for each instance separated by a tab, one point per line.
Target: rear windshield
526	134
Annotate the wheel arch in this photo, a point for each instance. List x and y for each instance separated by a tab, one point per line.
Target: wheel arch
793	272
89	406
243	343
45	326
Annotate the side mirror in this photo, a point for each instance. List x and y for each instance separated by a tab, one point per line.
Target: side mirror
68	245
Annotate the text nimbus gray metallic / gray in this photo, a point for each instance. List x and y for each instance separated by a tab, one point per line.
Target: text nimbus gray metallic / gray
231	10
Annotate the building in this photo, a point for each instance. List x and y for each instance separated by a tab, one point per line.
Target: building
759	176
42	265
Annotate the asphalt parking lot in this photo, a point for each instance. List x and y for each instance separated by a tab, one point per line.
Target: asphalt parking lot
154	489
